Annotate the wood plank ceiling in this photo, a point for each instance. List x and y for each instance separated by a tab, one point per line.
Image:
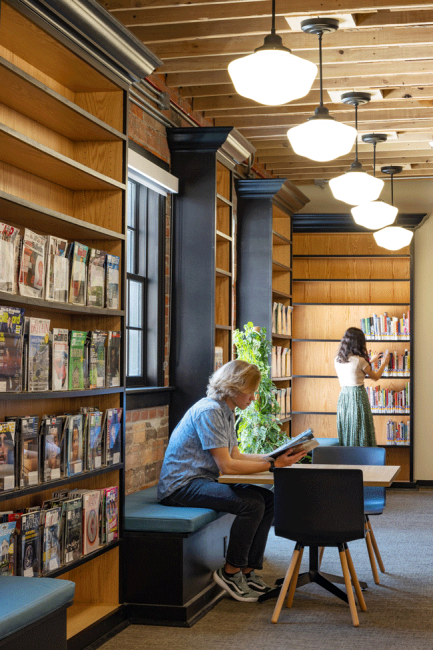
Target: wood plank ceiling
385	48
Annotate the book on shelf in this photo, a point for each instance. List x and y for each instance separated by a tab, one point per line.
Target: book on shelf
78	273
74	444
11	349
387	400
7	456
52	448
9	242
97	345
398	433
39	355
219	357
398	364
57	274
305	441
78	374
29	450
96	278
281	318
32	265
385	327
72	530
112	282
29	544
59	359
112	435
111	514
113	359
7	546
91	537
51	553
281	361
94	440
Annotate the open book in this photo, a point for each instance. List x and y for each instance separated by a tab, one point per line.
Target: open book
304	442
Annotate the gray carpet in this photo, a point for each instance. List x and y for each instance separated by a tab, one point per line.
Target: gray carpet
399	612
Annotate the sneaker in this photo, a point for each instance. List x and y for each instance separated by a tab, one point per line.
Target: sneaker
236	586
256	583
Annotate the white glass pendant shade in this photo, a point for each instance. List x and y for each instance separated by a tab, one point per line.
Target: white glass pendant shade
322	139
355	187
374	214
393	238
272	76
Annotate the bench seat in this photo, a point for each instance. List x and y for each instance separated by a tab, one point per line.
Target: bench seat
33	612
327	442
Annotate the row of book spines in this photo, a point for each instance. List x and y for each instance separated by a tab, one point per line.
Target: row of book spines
398	364
283	397
387	400
281	318
281	361
385	326
398	432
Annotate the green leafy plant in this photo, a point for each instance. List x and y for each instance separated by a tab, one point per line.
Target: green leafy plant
258	427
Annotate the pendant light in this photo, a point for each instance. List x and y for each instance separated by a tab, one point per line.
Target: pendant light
272	75
356	186
394	237
321	138
374	214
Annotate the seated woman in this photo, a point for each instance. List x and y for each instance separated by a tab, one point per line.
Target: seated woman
202	446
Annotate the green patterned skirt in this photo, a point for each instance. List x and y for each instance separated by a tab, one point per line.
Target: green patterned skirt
354	418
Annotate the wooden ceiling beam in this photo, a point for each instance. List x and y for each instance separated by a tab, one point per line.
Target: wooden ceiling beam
366	158
272	131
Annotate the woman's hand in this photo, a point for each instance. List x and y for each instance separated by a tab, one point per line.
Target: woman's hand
289	458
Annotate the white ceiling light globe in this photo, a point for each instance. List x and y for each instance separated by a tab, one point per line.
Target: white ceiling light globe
272	76
355	186
374	214
393	238
322	138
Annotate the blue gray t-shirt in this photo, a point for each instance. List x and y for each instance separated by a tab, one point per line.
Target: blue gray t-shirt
207	425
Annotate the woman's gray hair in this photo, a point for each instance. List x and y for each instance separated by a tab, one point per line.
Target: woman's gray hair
233	378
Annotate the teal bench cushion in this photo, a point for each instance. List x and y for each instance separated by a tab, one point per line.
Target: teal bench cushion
144	513
327	442
25	601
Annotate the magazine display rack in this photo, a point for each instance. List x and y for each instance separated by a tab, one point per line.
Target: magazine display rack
63	145
338	279
265	209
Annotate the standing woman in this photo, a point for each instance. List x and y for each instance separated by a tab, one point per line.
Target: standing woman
354	418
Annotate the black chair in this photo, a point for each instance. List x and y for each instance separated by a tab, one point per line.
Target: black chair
319	507
374	497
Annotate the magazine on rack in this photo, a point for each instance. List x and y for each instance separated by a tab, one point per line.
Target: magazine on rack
57	278
51	556
29	544
94	439
60	359
304	442
7	545
78	279
39	354
9	241
72	530
113	434
112	282
96	278
29	450
113	359
97	340
32	266
91	539
74	444
11	349
7	455
77	360
51	435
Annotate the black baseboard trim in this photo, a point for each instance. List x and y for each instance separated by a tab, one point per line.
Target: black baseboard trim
404	485
424	483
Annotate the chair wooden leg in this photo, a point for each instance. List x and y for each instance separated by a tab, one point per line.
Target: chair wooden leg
347	582
285	585
375	547
371	554
355	581
292	588
321	552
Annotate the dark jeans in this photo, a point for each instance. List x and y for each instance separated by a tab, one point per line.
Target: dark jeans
254	509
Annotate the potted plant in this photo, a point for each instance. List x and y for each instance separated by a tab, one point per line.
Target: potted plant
258	427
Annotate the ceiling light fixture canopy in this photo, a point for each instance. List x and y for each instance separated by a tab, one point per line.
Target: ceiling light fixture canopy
393	238
321	138
374	214
356	186
272	75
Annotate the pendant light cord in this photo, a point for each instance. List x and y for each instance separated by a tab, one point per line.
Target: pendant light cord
356	127
392	189
273	17
374	159
320	68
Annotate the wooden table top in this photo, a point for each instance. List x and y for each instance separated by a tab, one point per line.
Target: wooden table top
374	475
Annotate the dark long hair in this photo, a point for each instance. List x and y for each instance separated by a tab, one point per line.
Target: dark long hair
352	344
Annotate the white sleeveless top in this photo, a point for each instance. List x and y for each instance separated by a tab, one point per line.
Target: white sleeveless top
353	372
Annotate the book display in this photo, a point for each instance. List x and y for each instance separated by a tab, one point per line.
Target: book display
343	280
264	288
63	191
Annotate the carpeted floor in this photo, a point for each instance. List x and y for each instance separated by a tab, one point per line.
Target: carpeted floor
400	609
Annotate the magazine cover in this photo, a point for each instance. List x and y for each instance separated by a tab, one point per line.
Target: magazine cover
111	513
73	530
57	277
96	278
52	446
94	440
74	441
77	344
77	286
97	359
112	282
51	558
29	544
113	435
29	451
11	349
91	521
32	266
7	455
7	548
39	354
113	359
60	359
9	237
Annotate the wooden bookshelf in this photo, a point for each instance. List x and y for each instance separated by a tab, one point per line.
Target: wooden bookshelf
338	279
265	208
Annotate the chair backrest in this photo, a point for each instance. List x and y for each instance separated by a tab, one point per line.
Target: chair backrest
319	506
374	497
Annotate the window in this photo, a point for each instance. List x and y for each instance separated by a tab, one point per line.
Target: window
145	285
